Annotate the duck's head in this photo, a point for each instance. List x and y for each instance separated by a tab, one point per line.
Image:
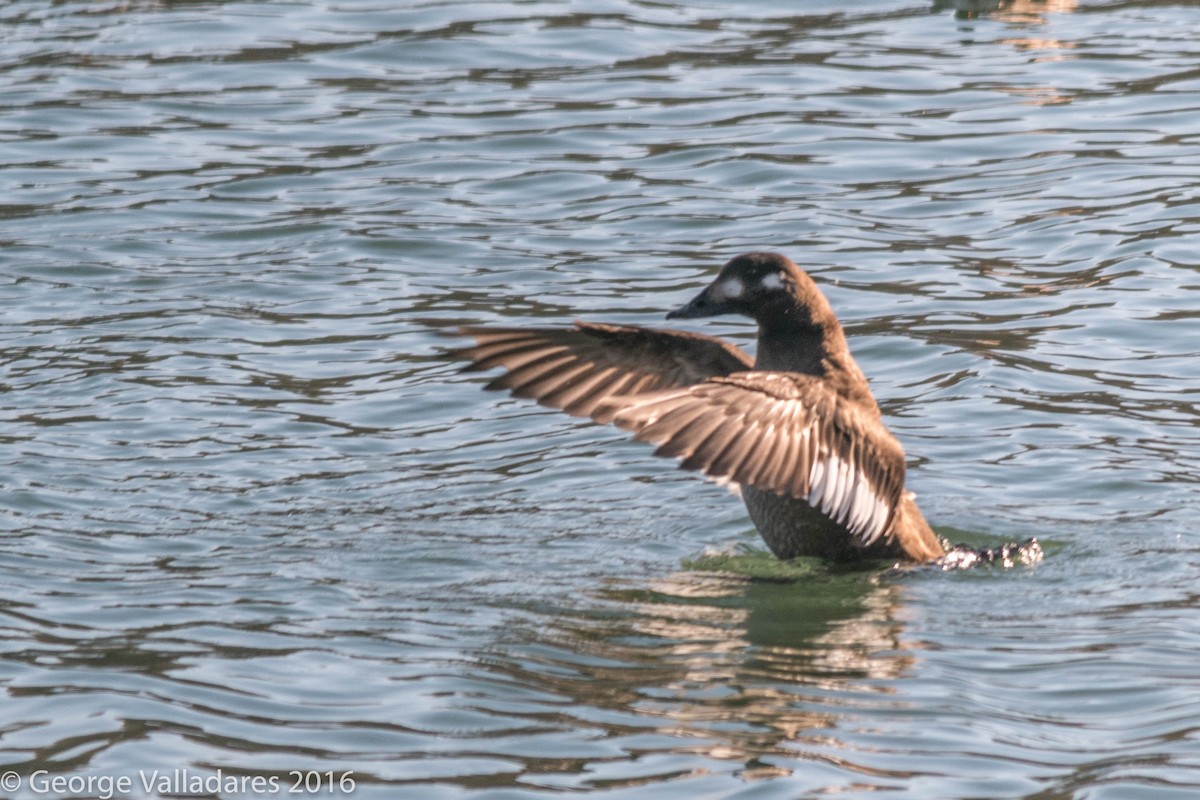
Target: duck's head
767	287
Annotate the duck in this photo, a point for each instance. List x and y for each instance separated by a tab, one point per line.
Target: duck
795	430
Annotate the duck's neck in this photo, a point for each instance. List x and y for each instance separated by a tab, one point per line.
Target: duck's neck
792	347
814	349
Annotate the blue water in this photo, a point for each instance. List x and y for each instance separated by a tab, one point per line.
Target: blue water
253	523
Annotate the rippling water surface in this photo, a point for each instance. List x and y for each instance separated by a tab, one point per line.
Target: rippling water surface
252	523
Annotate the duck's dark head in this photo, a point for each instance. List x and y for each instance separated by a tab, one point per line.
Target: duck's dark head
766	287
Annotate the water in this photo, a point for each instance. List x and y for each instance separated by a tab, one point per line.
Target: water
254	525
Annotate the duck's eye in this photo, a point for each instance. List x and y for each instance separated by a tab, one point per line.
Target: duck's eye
772	280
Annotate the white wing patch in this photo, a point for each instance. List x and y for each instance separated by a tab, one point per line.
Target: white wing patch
839	489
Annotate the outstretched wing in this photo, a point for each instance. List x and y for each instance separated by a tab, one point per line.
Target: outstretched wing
783	432
581	369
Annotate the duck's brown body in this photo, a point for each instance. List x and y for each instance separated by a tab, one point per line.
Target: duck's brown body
798	430
793	528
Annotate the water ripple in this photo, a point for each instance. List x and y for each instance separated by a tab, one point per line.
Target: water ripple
253	521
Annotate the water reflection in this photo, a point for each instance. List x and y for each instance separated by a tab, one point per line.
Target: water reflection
1020	11
734	669
1027	16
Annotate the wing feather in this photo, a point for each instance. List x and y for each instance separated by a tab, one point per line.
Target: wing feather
523	380
663	425
707	452
550	379
793	457
774	439
580	369
686	440
741	446
788	433
579	392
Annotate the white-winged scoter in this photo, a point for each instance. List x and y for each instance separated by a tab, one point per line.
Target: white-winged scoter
797	430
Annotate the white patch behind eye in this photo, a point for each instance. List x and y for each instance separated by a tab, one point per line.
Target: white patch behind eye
772	280
730	288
